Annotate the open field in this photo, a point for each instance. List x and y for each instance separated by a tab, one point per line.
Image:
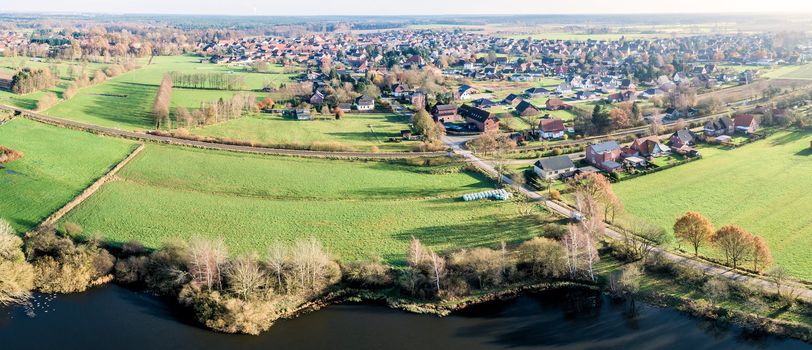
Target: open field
803	72
126	101
763	187
9	65
360	131
57	165
358	209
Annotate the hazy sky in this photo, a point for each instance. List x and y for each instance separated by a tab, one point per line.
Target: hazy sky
403	7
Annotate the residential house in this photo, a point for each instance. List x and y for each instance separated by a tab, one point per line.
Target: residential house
345	107
365	103
525	109
317	98
298	114
719	127
604	155
466	92
480	119
551	128
537	92
649	147
483	103
512	99
445	113
745	123
554	167
683	141
555	104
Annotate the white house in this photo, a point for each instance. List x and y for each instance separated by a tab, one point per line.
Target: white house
554	167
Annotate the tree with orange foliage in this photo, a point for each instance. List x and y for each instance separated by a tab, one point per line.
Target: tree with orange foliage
735	242
599	187
761	255
694	228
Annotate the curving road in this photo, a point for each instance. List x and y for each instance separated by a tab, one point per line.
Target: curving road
566	211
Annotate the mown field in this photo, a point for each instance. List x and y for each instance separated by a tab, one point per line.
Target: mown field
763	187
803	72
358	131
358	209
126	101
57	165
9	65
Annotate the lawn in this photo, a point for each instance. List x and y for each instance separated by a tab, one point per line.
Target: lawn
763	187
126	101
357	209
57	165
359	131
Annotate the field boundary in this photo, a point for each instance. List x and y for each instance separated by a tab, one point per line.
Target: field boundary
144	137
90	190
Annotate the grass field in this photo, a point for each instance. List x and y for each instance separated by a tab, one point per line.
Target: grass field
358	209
57	165
803	72
763	187
9	65
360	131
126	101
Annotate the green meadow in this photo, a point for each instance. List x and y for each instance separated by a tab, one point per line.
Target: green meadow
763	187
357	209
126	101
359	131
57	165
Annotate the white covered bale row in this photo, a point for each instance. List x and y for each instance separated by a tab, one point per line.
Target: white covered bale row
493	194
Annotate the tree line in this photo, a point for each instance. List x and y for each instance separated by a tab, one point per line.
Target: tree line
215	81
28	80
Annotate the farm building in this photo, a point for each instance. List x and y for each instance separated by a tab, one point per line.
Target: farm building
479	119
445	113
745	123
525	109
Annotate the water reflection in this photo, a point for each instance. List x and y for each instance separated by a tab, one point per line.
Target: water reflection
113	317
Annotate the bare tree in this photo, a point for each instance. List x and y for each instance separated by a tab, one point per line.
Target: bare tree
207	258
244	277
160	108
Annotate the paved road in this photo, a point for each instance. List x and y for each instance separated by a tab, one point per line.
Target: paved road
566	211
209	145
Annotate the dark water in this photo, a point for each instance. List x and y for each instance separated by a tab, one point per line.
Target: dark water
116	318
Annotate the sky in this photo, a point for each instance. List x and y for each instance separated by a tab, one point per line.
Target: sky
403	7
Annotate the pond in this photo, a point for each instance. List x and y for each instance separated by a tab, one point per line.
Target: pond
115	317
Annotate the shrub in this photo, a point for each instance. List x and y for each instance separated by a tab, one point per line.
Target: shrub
374	273
8	155
716	290
542	257
72	229
555	195
16	275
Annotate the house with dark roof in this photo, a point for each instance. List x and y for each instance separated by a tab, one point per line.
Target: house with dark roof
745	123
479	119
683	141
554	167
483	103
465	92
525	109
512	99
445	113
604	155
551	128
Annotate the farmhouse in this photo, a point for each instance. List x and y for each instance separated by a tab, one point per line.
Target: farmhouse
745	123
479	119
525	109
445	113
555	104
551	128
365	103
554	167
604	155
